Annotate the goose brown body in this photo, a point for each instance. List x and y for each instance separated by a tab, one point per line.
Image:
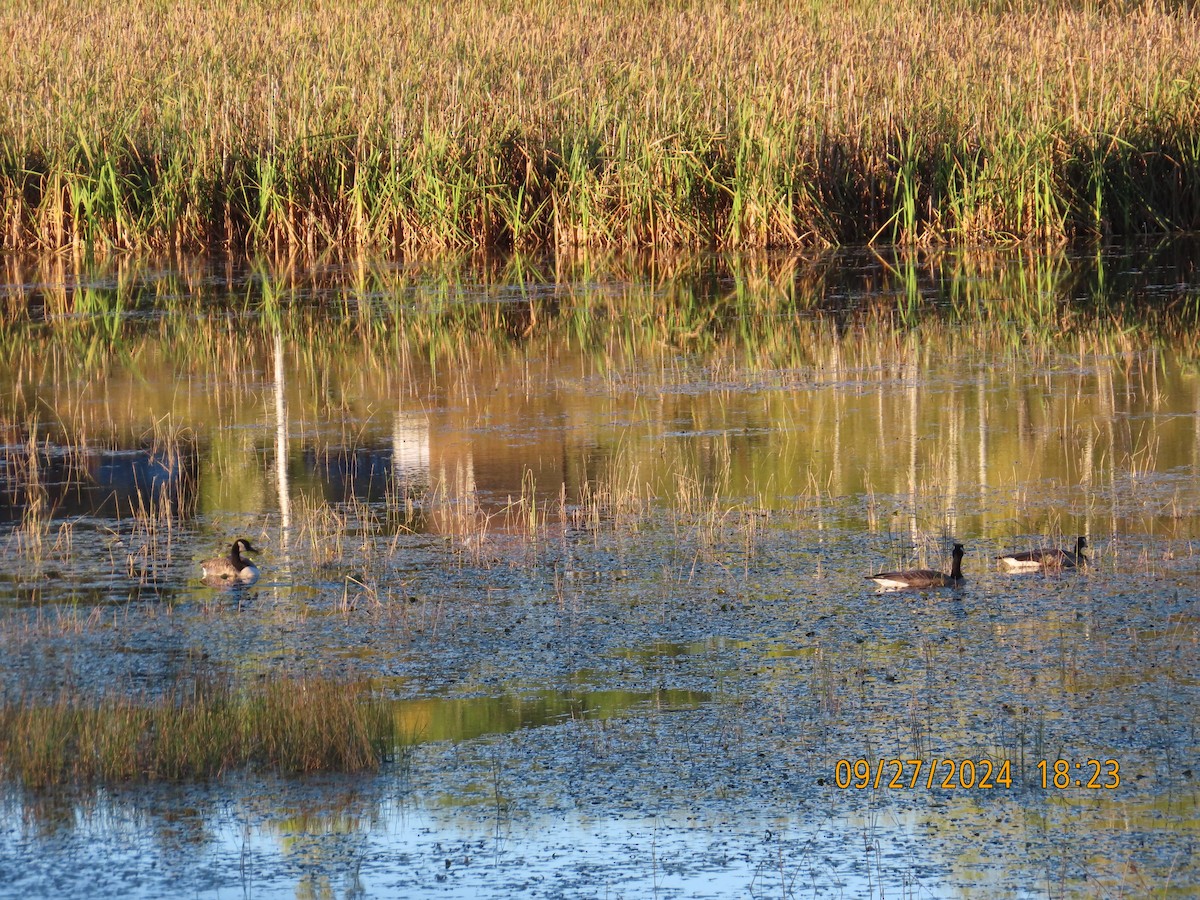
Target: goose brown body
233	569
923	578
1047	558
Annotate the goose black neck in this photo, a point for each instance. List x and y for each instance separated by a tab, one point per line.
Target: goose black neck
956	568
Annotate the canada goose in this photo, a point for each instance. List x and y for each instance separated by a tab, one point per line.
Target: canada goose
923	578
1047	558
226	571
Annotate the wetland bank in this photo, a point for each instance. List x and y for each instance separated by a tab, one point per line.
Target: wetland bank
576	545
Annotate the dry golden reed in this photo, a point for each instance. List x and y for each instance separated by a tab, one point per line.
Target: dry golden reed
685	123
199	731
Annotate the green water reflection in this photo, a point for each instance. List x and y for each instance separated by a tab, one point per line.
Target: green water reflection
443	719
997	395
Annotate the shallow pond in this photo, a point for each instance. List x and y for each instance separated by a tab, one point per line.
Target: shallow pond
597	531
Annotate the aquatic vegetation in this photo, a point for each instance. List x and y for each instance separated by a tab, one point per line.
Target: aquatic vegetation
435	127
201	728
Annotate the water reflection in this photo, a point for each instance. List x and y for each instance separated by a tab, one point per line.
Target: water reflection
72	482
441	719
969	394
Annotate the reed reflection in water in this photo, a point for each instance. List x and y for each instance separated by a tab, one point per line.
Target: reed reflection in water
966	395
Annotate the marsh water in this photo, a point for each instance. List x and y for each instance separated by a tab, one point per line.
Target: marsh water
597	529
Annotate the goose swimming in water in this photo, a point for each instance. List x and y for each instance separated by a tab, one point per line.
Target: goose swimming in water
234	569
923	578
1047	558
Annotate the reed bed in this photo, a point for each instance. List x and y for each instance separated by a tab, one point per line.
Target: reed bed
200	730
433	126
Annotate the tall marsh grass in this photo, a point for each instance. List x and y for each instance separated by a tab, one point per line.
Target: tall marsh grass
433	126
199	731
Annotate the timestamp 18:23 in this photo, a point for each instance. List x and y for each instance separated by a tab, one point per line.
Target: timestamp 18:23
981	774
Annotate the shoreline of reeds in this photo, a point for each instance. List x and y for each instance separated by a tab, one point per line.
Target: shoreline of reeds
690	125
201	729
